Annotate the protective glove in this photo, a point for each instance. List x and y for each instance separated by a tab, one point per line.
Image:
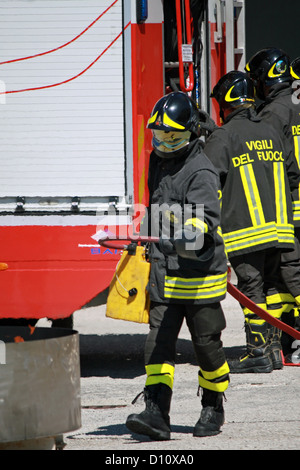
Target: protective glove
194	245
206	122
166	246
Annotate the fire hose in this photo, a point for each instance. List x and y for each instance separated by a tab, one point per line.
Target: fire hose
231	289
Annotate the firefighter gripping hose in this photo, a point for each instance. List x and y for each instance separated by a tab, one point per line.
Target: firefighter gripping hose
231	289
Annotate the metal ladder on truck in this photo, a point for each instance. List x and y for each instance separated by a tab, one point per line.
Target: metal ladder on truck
232	13
193	65
225	29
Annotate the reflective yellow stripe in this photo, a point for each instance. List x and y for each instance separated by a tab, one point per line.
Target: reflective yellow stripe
283	297
296	311
217	380
252	195
228	95
224	369
152	118
296	210
251	236
248	313
294	75
275	306
216	387
296	150
273	74
196	288
160	373
160	379
274	299
196	294
206	281
168	122
280	194
198	223
297	299
159	369
276	312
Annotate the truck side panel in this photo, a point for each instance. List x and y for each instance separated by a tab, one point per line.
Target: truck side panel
54	266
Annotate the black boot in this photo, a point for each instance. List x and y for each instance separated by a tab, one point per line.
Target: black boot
257	358
154	421
275	347
212	414
292	319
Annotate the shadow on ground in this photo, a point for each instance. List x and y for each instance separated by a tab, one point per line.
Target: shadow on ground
122	355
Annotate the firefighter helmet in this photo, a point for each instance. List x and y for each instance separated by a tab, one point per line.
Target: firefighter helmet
295	69
173	121
268	67
232	90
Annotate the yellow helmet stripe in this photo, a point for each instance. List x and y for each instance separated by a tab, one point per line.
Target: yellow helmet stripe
228	97
271	73
169	122
294	75
152	118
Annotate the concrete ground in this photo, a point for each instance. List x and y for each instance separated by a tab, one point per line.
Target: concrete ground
262	410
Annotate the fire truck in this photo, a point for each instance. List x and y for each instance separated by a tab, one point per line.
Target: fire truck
78	81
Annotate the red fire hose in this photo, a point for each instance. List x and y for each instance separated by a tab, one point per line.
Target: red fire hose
246	302
233	291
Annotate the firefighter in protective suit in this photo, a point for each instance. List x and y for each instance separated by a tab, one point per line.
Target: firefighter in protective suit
256	218
188	276
275	82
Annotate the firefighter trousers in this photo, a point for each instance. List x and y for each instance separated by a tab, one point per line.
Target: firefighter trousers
258	276
205	323
290	269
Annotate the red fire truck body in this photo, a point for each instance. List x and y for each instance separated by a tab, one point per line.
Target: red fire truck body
78	83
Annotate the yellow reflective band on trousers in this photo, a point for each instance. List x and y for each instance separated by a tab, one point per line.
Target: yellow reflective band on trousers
217	380
196	287
249	315
160	373
279	303
296	312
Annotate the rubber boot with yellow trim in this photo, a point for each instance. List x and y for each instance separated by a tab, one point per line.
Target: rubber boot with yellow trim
258	354
213	385
276	306
292	319
154	421
275	347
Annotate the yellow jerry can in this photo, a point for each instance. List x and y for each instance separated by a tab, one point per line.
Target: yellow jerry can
128	298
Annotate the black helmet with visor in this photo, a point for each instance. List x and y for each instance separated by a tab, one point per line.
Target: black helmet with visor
268	67
174	121
295	69
234	89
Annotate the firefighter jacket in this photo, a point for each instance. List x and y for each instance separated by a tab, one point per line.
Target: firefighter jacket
183	192
282	110
255	174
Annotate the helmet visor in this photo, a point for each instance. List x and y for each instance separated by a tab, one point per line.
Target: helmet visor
170	141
